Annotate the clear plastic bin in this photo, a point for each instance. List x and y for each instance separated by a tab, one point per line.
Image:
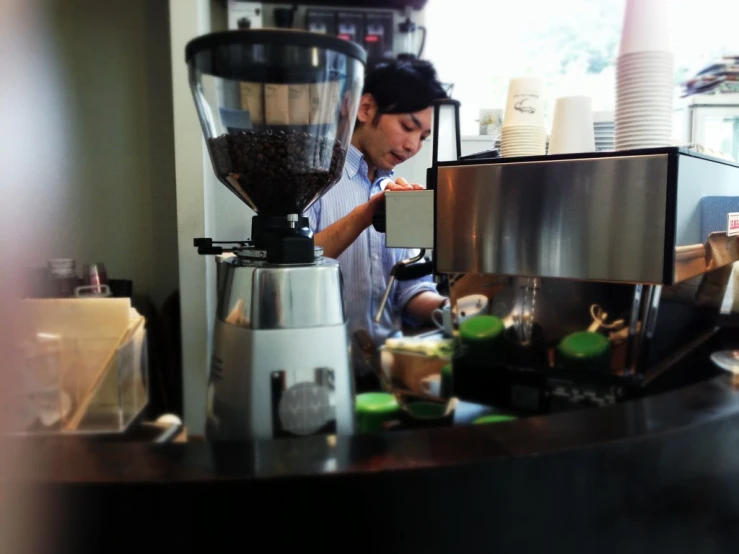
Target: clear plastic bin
83	365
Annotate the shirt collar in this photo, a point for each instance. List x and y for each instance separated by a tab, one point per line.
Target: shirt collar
355	162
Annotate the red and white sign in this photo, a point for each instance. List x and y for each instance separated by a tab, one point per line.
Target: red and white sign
733	224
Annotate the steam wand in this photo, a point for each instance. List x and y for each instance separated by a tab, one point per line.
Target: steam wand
404	271
523	316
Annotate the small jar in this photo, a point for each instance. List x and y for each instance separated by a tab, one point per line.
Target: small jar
374	410
64	279
481	337
94	276
584	350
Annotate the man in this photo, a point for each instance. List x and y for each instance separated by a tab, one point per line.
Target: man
394	118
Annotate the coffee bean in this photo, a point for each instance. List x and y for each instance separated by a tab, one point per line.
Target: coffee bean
281	172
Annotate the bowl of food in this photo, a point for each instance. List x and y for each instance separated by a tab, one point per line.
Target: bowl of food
409	364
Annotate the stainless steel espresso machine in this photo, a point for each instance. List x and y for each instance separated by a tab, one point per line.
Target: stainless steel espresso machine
277	109
601	275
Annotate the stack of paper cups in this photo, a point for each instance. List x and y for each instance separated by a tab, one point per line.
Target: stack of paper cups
644	77
524	131
572	128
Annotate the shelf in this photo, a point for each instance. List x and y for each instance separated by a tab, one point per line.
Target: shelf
375	4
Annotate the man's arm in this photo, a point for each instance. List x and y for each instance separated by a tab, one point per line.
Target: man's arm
338	236
418	298
421	306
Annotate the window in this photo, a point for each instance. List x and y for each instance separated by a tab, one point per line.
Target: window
572	44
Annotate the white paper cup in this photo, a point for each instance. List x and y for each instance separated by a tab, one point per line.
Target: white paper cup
642	143
646	82
646	133
646	27
637	95
533	149
655	134
646	79
572	127
645	59
530	140
524	104
650	117
636	122
651	68
631	57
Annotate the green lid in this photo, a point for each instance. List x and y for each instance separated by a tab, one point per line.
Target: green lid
376	402
494	418
426	409
481	327
583	345
446	370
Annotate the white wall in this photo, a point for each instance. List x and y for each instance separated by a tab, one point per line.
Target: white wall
119	201
204	208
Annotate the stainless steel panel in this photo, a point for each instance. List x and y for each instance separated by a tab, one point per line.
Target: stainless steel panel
590	219
262	296
410	219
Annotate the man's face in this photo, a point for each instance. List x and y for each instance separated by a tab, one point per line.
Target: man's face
394	138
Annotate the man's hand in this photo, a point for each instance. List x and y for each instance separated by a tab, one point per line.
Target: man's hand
401	184
337	237
369	209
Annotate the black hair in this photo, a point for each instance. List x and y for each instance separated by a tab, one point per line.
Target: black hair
403	86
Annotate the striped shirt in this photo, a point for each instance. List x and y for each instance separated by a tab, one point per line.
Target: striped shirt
366	264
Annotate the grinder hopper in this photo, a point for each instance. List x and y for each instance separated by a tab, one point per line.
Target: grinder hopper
279	120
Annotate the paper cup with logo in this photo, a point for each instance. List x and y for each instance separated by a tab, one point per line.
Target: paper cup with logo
525	102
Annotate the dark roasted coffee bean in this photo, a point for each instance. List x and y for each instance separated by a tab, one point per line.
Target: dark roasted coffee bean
281	172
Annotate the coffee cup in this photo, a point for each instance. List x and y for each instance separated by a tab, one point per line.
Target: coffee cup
439	384
443	318
421	413
431	385
470	306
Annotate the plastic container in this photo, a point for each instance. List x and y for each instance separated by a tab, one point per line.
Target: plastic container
83	365
280	127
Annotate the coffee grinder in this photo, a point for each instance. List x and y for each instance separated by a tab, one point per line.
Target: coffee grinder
285	106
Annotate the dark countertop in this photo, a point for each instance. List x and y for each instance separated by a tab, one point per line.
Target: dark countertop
660	474
66	460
